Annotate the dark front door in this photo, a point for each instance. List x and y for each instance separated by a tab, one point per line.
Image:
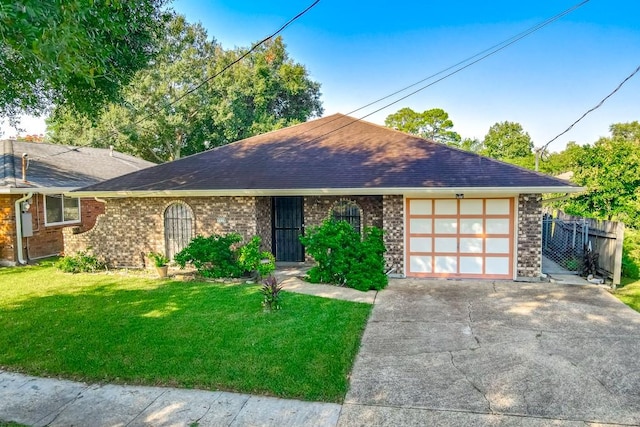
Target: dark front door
287	227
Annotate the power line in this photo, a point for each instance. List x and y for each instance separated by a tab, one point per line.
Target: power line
207	80
492	50
254	47
591	109
482	55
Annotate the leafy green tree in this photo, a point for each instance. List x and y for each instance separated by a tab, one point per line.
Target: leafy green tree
161	121
433	124
610	169
77	53
507	141
471	144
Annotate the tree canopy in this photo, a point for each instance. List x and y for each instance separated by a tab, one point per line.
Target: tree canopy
265	91
508	141
433	124
77	53
610	169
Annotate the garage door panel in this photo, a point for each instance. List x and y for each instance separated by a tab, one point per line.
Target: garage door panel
421	244
446	225
471	207
421	207
446	207
471	245
446	244
498	207
460	237
497	265
471	225
497	245
420	226
471	265
420	264
446	264
498	226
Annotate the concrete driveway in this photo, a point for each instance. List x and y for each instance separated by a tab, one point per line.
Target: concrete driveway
481	353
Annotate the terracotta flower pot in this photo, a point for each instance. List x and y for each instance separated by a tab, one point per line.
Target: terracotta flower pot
162	271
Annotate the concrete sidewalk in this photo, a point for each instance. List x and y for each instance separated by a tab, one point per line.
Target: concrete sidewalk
48	402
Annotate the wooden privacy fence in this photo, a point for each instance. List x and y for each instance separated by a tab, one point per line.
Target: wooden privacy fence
565	237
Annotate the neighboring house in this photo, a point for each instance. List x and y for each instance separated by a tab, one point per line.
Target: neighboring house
33	178
445	212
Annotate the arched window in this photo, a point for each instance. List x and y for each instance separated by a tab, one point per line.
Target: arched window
346	210
178	228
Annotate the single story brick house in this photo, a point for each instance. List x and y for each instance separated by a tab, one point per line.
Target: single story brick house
33	207
445	212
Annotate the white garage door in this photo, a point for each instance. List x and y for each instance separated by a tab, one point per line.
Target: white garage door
466	238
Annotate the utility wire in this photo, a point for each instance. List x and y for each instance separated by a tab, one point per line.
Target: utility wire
482	55
207	80
254	47
591	109
492	50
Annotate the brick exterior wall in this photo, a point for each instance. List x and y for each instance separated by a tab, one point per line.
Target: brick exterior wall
393	226
133	227
7	229
529	250
264	223
318	208
46	240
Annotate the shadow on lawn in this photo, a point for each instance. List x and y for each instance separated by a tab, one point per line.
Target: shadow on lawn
187	334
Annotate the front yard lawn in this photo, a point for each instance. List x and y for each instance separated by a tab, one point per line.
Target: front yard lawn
126	329
629	293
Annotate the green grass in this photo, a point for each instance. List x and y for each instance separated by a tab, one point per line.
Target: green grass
137	330
629	293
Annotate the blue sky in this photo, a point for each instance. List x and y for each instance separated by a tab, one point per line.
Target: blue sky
361	51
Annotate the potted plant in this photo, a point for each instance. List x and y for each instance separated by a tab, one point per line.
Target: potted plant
161	262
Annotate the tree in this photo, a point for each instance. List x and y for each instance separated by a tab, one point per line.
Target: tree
471	144
77	53
431	124
610	169
159	121
508	141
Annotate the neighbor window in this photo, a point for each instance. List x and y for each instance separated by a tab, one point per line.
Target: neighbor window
347	211
61	209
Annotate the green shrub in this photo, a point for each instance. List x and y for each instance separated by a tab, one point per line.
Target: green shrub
345	258
631	254
251	259
212	256
81	262
219	256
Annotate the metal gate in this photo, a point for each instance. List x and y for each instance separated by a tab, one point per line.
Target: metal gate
563	245
287	228
178	228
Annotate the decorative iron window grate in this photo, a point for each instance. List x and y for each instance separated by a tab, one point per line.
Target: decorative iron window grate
178	228
349	211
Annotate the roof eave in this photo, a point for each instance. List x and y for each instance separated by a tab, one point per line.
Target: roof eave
39	190
365	191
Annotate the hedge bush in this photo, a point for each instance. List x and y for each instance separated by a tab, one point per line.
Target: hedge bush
344	257
220	256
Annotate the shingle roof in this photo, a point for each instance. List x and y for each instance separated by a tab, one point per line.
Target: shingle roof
62	166
333	152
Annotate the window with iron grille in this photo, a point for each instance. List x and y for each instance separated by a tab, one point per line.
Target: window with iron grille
178	228
349	211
